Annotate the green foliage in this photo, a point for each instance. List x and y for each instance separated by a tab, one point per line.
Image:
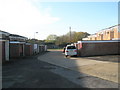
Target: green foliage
35	41
51	38
70	37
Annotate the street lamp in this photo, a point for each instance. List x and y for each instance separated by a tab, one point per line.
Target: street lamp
70	33
34	34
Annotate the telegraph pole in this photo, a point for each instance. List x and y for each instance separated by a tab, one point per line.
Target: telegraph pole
70	33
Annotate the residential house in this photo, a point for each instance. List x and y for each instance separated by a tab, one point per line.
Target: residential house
111	33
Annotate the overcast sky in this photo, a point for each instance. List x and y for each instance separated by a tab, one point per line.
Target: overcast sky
25	17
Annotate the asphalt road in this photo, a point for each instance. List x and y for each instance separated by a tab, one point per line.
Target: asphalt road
33	72
84	71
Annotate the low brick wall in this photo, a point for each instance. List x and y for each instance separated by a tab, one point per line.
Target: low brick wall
99	48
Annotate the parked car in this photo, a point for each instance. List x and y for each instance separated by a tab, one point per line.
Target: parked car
70	50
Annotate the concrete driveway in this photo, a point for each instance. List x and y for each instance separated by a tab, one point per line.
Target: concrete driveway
98	68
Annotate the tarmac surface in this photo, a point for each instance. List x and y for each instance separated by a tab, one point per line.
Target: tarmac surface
32	73
104	68
49	71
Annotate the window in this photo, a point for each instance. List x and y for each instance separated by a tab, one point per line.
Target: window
71	47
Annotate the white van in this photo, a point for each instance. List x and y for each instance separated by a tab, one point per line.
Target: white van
70	50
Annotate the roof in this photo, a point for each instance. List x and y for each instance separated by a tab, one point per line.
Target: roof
3	32
109	27
17	42
98	41
15	35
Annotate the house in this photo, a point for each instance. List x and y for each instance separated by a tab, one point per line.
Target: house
110	33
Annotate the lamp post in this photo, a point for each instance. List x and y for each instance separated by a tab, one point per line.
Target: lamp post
35	45
34	34
70	33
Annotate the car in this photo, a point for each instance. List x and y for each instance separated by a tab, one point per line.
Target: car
70	50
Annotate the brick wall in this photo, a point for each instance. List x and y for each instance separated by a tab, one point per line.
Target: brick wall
28	50
14	50
106	34
104	48
94	38
99	37
2	51
115	33
118	34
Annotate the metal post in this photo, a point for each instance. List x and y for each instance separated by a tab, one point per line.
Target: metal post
34	34
70	34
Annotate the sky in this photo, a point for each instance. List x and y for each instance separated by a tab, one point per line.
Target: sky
25	17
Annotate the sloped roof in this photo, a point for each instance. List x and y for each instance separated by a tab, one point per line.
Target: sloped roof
15	35
3	32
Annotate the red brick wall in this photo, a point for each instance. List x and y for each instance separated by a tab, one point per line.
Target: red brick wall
104	48
14	50
28	50
2	51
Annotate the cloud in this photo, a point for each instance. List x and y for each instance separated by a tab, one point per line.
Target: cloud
19	16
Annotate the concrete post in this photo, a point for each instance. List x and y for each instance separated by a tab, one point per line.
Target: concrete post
23	49
7	50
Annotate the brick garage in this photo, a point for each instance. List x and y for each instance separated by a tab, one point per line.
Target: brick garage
93	48
4	46
16	49
28	50
2	51
41	48
35	49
